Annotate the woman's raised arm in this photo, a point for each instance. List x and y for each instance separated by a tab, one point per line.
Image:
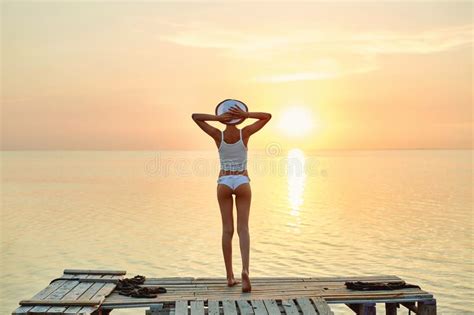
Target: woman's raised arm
263	118
200	120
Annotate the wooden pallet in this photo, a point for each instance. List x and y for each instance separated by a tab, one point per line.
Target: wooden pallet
332	289
305	306
76	292
92	292
278	289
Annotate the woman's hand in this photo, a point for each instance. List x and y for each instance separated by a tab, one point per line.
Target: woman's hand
225	117
237	112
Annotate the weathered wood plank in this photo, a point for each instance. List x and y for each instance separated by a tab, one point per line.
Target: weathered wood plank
306	306
363	308
272	307
374	278
321	306
94	272
280	287
260	289
210	279
175	278
259	307
222	283
228	307
289	306
411	306
72	295
155	310
244	307
342	289
101	294
213	307
340	278
374	295
277	288
375	300
181	307
40	296
254	288
86	296
427	307
255	292
60	302
390	308
56	295
101	280
92	278
197	307
297	294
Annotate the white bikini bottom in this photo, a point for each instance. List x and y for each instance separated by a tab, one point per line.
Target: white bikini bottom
233	181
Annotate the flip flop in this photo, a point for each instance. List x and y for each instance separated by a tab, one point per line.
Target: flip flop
131	287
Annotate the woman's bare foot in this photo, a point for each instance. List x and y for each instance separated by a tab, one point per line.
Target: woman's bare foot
246	286
231	281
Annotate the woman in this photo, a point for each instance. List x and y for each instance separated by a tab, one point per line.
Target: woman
233	179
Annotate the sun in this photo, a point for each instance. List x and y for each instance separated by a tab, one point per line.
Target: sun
296	121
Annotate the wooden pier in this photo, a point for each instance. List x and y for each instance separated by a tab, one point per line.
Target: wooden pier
92	292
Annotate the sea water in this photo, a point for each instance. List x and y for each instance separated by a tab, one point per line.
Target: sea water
322	213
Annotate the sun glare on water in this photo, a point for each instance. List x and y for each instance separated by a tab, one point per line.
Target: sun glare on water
296	179
296	121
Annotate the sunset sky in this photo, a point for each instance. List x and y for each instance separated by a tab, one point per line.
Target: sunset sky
353	75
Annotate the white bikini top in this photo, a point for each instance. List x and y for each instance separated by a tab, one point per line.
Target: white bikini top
233	156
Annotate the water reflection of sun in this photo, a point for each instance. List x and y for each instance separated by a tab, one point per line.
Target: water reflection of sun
296	179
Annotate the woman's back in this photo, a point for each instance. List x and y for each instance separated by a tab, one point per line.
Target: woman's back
233	156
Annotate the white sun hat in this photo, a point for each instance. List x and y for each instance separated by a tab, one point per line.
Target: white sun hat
225	105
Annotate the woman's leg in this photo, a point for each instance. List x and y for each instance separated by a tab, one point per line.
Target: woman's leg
243	197
224	197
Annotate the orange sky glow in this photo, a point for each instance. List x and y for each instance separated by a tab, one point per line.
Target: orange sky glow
127	76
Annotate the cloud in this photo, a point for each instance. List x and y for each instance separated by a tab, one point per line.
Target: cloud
412	43
322	69
308	54
240	42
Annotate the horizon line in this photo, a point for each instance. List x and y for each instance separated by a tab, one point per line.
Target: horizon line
256	149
